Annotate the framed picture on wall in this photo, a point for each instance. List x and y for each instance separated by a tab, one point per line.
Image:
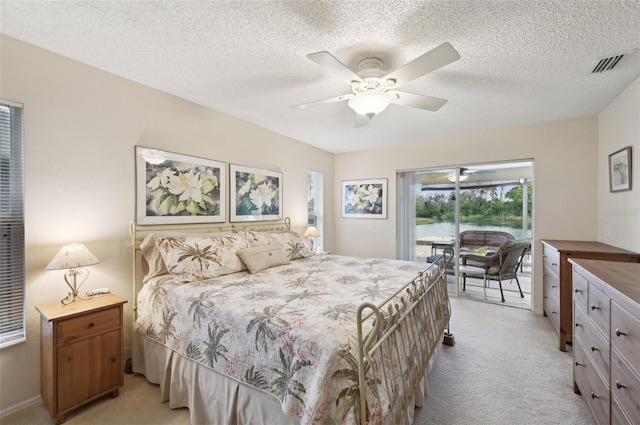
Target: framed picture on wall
172	188
256	194
620	170
364	198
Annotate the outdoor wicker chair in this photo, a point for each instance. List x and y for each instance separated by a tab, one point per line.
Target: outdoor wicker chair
501	265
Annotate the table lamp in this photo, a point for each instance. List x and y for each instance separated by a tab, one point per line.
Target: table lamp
74	257
311	233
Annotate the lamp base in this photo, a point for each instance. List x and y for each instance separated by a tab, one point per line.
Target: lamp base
71	275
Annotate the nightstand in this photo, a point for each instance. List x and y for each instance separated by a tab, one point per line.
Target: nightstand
81	352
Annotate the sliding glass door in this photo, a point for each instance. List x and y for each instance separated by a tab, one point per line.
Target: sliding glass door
436	205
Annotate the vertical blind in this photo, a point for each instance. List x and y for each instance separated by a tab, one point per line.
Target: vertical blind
12	270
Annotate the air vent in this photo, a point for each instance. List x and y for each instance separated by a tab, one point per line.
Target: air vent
607	64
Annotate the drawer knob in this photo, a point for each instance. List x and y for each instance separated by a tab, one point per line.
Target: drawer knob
554	312
577	290
113	359
554	264
593	348
618	333
594	307
579	364
554	286
91	324
619	385
594	396
578	324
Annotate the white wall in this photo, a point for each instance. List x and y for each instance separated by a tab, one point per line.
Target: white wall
619	212
81	126
565	184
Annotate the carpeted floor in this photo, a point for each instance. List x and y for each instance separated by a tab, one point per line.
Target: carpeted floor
505	368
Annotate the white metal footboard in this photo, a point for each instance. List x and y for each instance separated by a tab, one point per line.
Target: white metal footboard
394	355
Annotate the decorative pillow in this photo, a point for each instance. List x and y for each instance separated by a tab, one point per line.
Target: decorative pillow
154	263
259	258
198	257
292	244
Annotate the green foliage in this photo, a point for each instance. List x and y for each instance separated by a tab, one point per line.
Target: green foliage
476	205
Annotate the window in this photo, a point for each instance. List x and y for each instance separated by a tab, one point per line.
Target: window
315	187
12	274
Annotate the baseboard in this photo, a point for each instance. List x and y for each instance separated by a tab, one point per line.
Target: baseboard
27	403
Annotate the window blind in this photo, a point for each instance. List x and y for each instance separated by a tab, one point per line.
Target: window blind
12	268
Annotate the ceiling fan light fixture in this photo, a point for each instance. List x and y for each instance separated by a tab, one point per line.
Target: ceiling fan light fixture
452	177
370	103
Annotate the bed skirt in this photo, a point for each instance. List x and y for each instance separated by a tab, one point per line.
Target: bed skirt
211	397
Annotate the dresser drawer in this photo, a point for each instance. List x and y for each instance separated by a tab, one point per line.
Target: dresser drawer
551	307
597	348
599	309
617	416
594	390
580	286
625	386
625	335
88	324
551	259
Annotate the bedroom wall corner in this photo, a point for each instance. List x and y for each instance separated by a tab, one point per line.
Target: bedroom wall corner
619	212
81	126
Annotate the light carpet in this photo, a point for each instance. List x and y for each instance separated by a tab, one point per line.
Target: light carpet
505	368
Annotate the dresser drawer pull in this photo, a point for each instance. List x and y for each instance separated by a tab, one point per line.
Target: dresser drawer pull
578	324
593	348
554	312
91	324
579	364
113	359
577	290
554	286
618	332
619	385
554	264
594	307
594	396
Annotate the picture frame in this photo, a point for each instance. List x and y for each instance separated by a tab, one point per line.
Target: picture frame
173	188
255	194
620	170
364	198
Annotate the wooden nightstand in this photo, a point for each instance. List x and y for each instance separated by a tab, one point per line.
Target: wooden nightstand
81	352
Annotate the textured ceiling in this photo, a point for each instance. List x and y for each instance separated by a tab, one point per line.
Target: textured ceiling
522	62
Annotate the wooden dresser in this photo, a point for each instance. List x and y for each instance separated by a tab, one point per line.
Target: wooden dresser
556	277
606	350
81	352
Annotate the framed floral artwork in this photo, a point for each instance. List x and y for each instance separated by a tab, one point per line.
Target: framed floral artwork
172	188
620	170
256	194
364	198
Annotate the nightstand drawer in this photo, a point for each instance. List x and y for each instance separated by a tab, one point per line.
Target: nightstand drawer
88	324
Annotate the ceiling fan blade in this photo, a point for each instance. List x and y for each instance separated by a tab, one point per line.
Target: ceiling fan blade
418	101
361	121
324	101
434	59
333	65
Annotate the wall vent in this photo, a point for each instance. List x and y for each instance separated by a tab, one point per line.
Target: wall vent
611	62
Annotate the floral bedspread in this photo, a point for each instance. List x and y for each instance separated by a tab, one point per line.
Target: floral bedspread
288	330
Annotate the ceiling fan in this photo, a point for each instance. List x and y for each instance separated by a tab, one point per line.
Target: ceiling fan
465	173
373	90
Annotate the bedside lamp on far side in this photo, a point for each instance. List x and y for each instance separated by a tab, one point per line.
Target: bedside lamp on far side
74	257
311	233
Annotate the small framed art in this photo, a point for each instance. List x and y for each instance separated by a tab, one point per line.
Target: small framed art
256	194
364	198
172	188
620	170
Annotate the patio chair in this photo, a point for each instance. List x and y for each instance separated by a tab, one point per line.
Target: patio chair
501	265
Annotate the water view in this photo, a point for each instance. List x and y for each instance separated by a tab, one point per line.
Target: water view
446	229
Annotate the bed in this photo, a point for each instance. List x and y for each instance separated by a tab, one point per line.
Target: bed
244	325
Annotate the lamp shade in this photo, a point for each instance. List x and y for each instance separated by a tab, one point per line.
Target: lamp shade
311	232
370	102
71	256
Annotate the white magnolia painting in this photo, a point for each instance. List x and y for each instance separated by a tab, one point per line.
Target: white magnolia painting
256	194
364	198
